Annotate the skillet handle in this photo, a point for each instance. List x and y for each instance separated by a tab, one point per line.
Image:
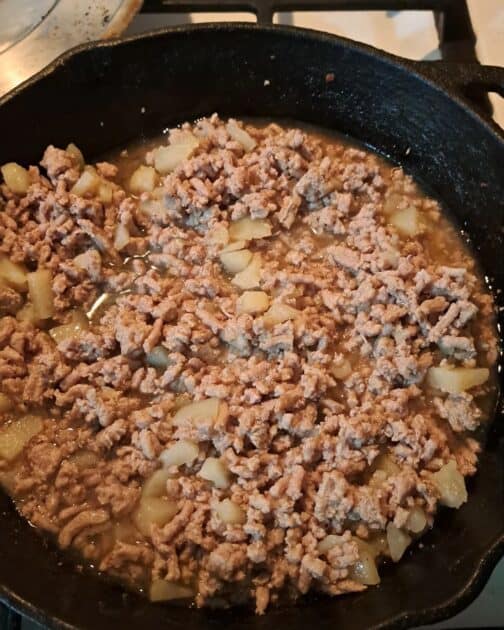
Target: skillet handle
464	75
472	80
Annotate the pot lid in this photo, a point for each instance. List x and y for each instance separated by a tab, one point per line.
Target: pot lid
34	32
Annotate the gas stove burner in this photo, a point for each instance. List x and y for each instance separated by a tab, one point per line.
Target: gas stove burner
33	33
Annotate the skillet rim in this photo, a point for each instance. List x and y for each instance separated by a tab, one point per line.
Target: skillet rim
438	80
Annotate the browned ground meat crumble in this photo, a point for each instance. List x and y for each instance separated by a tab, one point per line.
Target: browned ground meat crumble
311	406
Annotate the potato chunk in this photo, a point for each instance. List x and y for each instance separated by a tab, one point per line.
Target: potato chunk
121	237
247	229
27	314
155	486
215	470
391	203
406	221
73	150
234	262
13	274
15	435
364	570
105	192
230	512
330	541
87	184
163	591
451	485
77	325
279	313
252	302
180	453
234	246
166	159
199	410
240	135
153	511
417	521
456	380
341	370
144	179
16	178
250	277
40	288
398	542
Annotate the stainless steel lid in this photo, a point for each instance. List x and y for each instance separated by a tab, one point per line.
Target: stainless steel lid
34	32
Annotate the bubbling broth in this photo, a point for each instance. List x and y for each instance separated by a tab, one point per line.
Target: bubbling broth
238	362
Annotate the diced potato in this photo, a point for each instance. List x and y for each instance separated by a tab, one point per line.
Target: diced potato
327	543
76	153
234	262
199	410
234	246
341	370
13	274
230	512
386	464
398	542
364	570
182	400
16	435
456	380
105	192
391	203
5	403
158	357
219	236
166	159
84	459
406	221
250	277
155	486
64	332
180	453
16	178
252	302
87	184
121	237
77	325
240	135
144	179
377	545
41	294
451	485
86	259
378	478
223	414
247	229
153	511
215	470
279	313
27	314
163	591
417	521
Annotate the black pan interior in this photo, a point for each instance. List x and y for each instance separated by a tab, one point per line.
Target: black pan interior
104	96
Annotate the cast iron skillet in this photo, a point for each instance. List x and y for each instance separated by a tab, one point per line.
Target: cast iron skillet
103	95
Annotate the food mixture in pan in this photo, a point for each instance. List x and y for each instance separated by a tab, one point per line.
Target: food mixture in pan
238	364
